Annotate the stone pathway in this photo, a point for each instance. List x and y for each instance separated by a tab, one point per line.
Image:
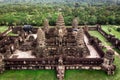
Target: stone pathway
21	54
93	52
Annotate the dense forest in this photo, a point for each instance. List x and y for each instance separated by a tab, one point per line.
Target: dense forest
20	14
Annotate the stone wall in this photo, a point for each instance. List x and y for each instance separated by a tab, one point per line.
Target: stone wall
46	62
111	38
92	28
95	44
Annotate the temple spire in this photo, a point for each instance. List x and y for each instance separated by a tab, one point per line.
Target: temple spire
75	23
40	38
40	43
80	37
46	25
60	29
60	24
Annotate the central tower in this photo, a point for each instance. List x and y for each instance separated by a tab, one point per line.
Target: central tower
60	29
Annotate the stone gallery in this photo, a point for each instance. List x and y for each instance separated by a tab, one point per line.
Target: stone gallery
58	48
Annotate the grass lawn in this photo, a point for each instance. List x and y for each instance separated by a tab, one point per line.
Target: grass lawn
100	37
103	39
113	30
3	28
93	74
28	75
12	34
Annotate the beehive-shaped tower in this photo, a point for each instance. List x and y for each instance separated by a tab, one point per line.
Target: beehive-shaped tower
46	25
75	23
60	24
40	38
40	43
80	37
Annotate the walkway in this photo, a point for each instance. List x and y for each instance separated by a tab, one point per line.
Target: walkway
93	52
21	54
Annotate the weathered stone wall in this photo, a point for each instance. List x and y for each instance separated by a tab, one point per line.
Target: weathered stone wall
92	28
5	45
115	41
95	44
42	63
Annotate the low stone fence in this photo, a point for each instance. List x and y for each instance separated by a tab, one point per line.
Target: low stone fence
16	29
50	64
92	28
95	42
111	38
6	43
20	29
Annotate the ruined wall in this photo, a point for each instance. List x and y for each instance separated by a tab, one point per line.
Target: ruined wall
115	41
95	44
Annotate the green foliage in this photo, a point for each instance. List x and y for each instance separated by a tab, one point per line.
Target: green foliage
20	14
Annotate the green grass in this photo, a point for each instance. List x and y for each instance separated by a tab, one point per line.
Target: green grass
93	74
3	28
100	37
103	39
28	75
113	30
12	34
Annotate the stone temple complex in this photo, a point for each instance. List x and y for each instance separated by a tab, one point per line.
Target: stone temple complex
58	48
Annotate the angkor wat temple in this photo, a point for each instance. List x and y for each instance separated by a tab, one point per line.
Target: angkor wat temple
58	48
